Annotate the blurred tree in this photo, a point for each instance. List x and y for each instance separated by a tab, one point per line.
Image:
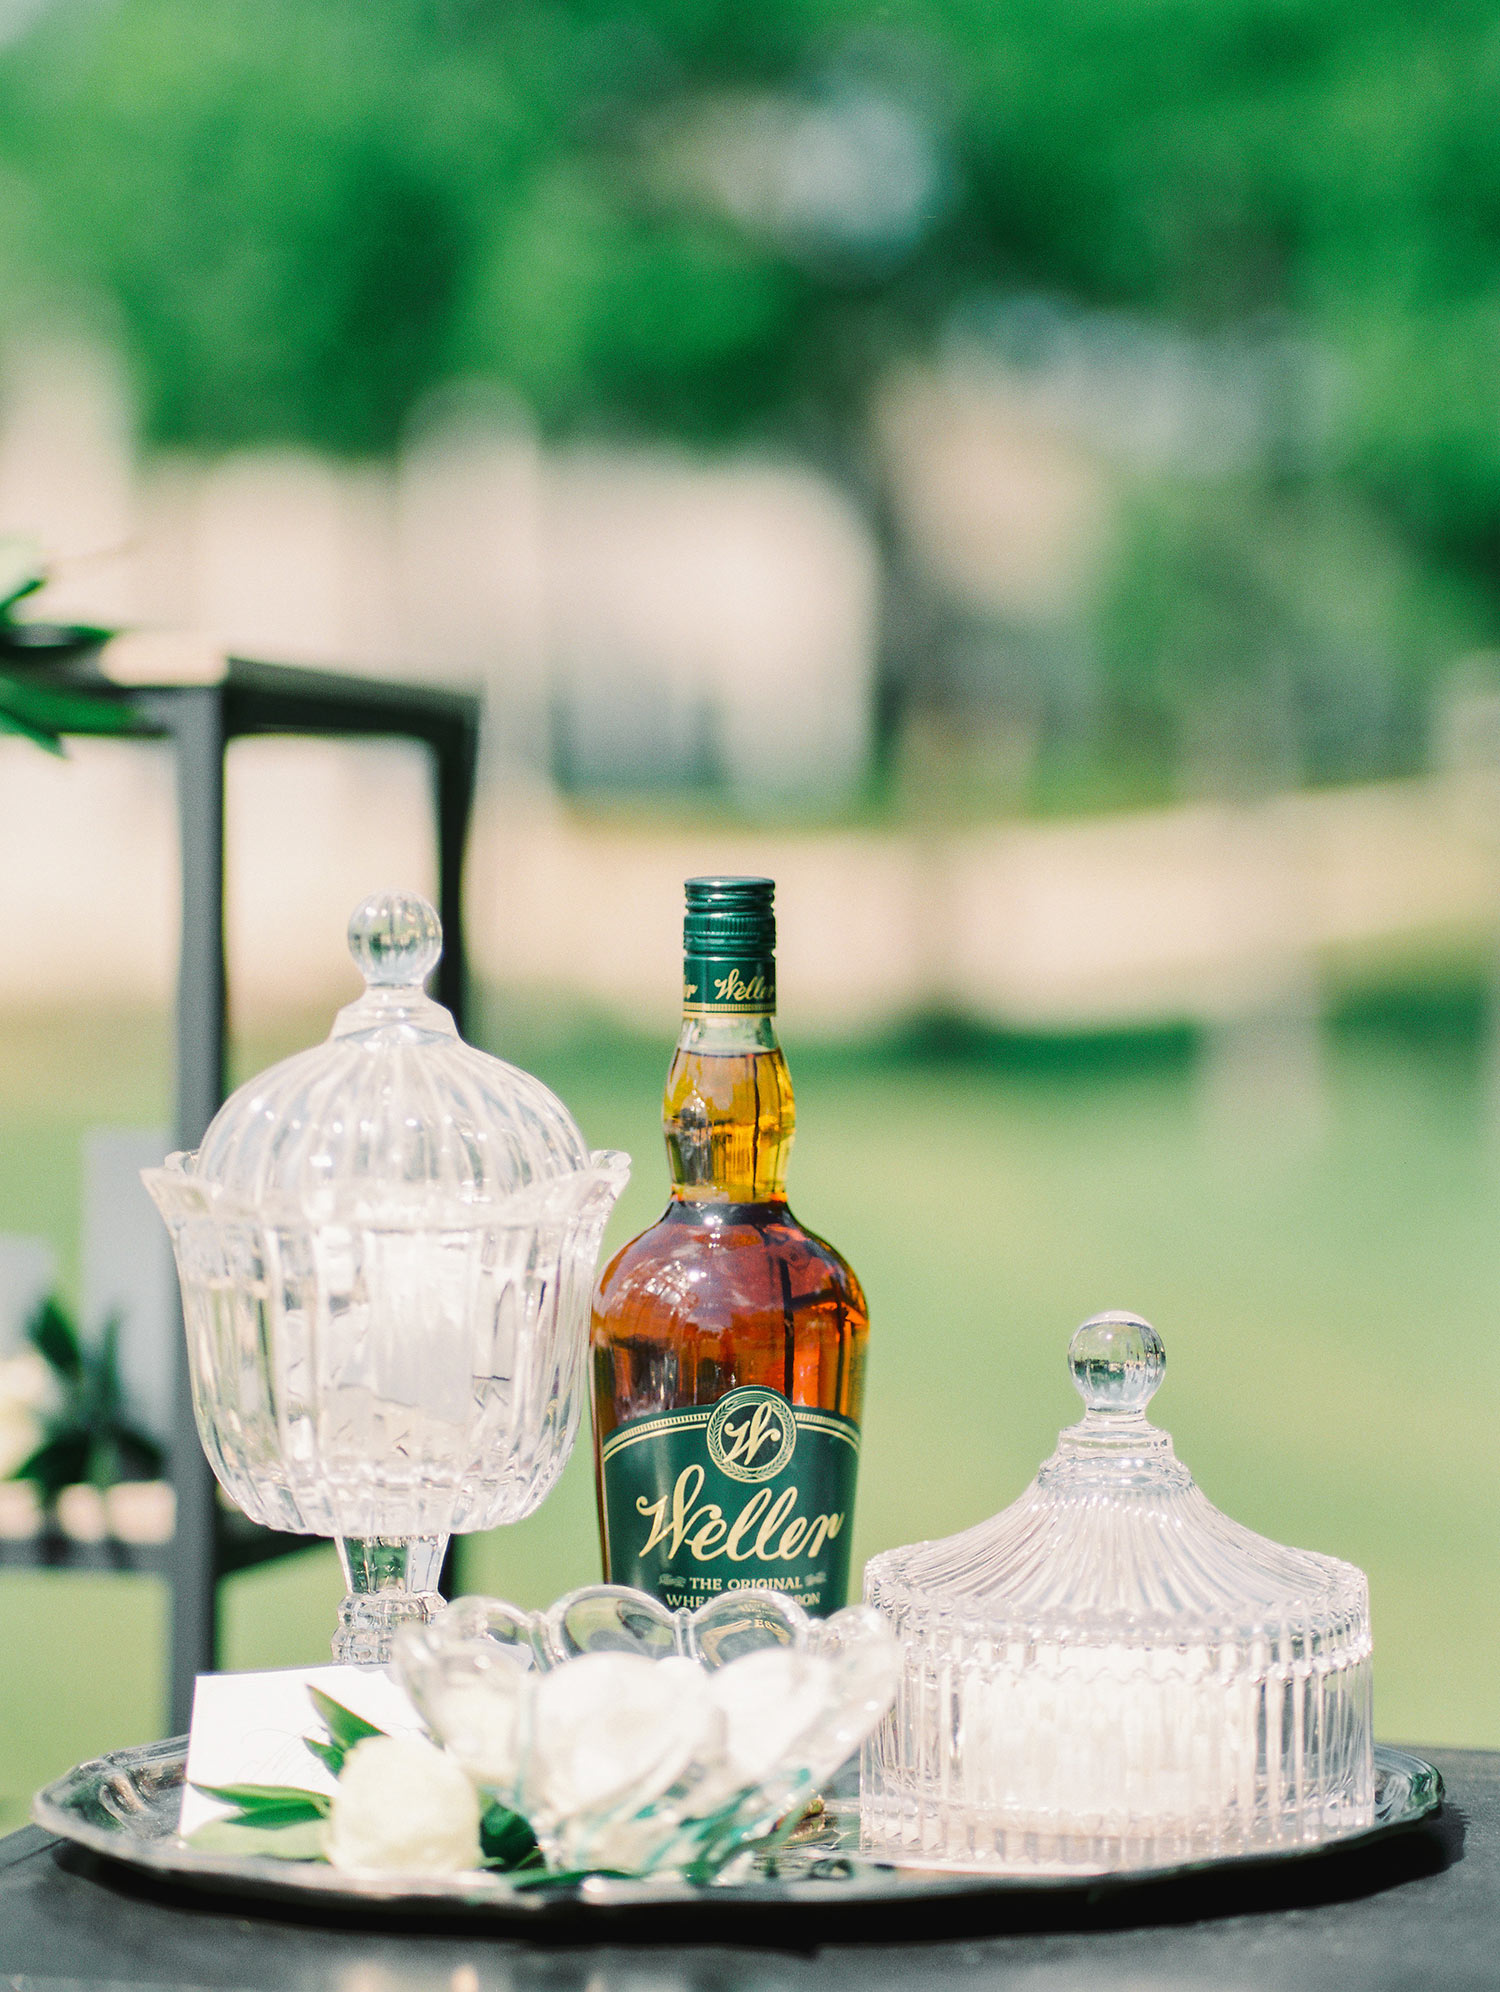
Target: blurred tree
698	218
1271	638
304	213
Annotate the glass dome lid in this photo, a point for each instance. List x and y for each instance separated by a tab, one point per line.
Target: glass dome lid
394	1107
1115	1535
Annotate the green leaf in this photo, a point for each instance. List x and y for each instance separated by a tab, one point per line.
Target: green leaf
273	1817
52	1334
270	1798
17	591
505	1839
27	644
106	1461
300	1840
43	714
22	570
103	1364
331	1754
570	1877
60	1461
39	736
344	1726
137	1457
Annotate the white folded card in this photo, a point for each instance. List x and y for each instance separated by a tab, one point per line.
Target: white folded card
248	1729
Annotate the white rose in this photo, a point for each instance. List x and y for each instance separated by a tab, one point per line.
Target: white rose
479	1723
27	1389
402	1806
771	1701
20	1435
616	1728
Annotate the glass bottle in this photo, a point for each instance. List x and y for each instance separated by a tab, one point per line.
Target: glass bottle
728	1342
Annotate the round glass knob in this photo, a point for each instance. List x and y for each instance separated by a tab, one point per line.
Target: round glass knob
395	939
1117	1362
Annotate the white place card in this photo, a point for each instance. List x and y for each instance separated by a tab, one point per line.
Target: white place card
248	1729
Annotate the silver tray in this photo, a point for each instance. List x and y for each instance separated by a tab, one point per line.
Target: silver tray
125	1807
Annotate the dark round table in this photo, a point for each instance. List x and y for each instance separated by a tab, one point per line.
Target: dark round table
1420	1910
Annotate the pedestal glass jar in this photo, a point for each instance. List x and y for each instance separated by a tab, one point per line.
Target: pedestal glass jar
386	1247
1113	1674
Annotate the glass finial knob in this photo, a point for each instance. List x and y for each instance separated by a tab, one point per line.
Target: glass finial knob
395	939
1117	1362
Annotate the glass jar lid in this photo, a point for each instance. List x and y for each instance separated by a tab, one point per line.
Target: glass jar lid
394	1107
1114	1538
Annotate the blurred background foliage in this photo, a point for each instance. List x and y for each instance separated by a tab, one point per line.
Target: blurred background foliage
691	219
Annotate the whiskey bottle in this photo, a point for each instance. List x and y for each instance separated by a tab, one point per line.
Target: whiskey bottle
728	1342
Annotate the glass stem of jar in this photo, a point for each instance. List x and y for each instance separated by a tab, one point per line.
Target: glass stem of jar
392	1581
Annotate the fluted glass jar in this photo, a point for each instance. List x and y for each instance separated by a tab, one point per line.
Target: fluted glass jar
386	1247
1113	1674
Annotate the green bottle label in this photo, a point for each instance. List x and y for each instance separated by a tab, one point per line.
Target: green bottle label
751	1490
720	986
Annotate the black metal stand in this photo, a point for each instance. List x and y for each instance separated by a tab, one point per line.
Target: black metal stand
200	720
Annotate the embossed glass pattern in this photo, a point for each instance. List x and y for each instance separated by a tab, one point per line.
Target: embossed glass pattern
386	1247
648	1741
1113	1674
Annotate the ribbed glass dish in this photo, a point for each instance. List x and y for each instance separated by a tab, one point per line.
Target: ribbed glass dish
1111	1674
647	1741
386	1248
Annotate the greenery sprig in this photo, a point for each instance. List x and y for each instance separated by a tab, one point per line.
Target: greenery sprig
88	1437
44	713
285	1822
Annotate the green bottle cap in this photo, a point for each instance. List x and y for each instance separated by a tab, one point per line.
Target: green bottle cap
729	947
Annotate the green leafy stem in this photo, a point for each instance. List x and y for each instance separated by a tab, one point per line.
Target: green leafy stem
285	1822
44	713
89	1436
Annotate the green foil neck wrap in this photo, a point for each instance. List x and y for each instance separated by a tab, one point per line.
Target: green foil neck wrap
729	985
729	948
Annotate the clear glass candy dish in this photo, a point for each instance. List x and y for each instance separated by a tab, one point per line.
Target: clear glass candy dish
386	1249
640	1740
1111	1674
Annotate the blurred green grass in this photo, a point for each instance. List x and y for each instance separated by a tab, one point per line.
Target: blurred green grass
1328	1300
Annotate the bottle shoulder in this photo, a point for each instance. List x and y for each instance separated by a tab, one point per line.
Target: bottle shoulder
695	1247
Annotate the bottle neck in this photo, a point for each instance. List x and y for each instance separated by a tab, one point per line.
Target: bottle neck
728	1113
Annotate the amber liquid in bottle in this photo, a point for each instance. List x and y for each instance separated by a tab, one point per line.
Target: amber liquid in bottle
725	1292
